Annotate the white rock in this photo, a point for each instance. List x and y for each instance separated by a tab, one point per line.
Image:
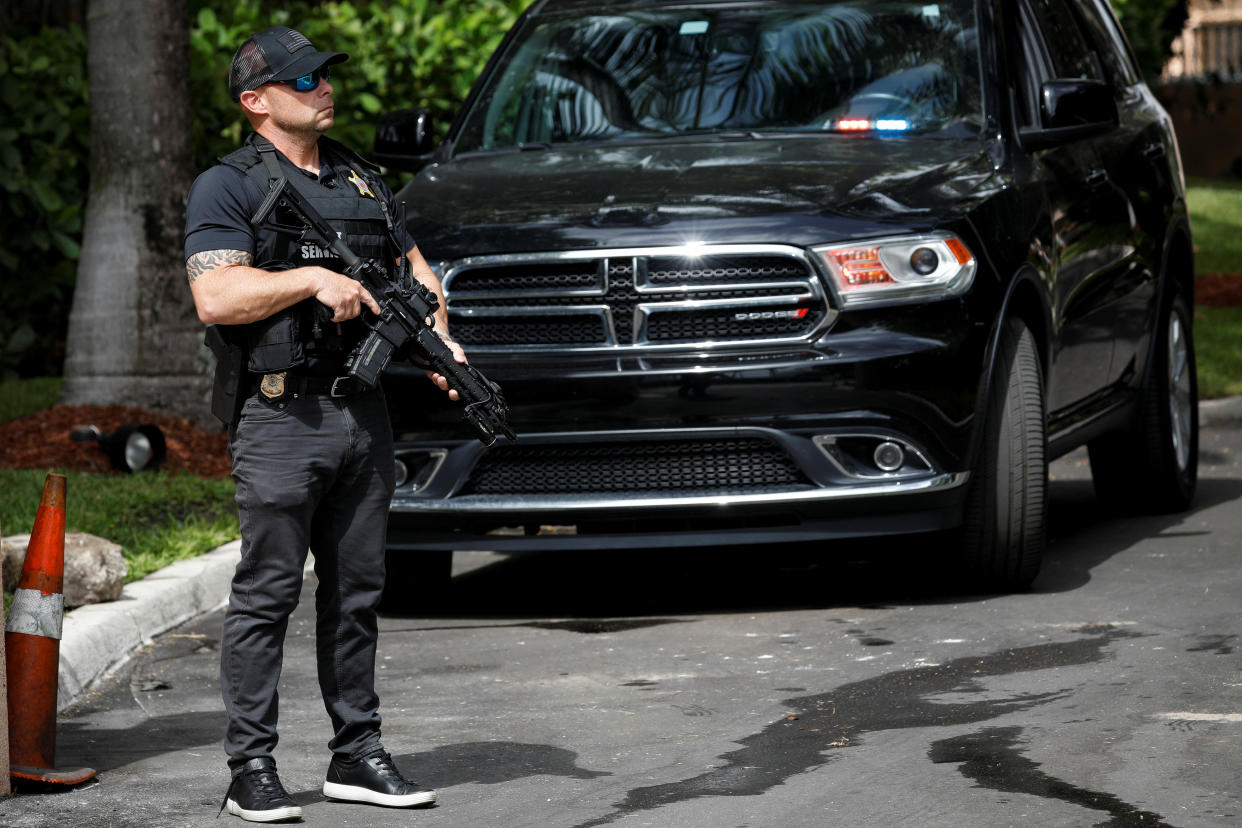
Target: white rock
95	569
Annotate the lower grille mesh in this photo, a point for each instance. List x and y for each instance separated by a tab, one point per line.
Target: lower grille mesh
728	465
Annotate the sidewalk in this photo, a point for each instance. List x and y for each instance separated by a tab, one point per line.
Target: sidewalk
1227	411
99	638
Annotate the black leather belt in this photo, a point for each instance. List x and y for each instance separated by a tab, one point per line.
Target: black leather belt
327	386
281	385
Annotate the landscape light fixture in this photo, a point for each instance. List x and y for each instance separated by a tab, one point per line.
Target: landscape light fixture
130	448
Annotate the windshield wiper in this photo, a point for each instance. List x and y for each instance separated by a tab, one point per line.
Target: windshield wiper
732	135
533	146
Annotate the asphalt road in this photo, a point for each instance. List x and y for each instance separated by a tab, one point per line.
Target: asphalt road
844	686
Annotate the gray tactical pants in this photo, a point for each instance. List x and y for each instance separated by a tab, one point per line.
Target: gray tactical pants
318	476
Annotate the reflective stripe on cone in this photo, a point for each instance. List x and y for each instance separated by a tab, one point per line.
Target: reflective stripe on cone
34	613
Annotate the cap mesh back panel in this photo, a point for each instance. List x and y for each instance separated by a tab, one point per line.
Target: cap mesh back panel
250	69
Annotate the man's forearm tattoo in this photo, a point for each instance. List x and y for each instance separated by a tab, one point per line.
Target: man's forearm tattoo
208	260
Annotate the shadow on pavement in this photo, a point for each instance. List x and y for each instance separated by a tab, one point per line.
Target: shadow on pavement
1081	537
108	748
883	571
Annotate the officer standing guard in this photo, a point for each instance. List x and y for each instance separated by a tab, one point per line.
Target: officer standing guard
312	448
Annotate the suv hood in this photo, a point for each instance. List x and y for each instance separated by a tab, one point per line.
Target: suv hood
649	185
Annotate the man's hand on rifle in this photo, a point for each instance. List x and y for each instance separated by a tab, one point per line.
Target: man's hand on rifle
458	354
341	294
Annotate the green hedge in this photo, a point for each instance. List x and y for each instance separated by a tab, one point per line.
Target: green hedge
44	172
403	53
1151	26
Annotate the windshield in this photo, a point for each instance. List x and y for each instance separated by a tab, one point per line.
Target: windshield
867	66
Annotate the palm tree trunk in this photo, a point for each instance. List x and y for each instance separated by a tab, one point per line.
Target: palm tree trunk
134	337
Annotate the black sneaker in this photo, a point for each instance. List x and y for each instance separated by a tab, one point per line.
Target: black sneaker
373	778
256	795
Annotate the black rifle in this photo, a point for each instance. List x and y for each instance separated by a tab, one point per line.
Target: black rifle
405	307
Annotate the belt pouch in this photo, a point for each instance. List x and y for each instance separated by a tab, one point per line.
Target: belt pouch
275	344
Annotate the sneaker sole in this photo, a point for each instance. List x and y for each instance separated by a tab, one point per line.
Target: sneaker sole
354	793
273	815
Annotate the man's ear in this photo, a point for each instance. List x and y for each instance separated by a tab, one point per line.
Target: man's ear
253	103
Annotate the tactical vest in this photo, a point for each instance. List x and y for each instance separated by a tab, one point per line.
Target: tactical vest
351	203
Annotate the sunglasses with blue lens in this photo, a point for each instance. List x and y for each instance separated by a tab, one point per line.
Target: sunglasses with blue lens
307	83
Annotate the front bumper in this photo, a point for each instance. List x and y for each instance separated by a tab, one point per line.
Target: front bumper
759	485
703	449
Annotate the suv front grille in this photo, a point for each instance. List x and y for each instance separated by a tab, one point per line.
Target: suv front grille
734	465
636	299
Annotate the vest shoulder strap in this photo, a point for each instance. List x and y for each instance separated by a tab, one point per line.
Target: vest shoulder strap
268	153
241	159
248	157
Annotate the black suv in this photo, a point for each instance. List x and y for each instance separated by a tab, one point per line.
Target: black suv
799	270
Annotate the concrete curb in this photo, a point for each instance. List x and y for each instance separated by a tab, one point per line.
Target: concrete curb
1226	411
101	637
98	638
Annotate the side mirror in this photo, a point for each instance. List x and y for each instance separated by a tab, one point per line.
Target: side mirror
404	140
1070	103
1071	109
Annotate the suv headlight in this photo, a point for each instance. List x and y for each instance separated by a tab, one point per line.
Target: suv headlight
897	270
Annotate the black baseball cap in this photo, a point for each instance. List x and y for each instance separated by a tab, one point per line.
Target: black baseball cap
276	54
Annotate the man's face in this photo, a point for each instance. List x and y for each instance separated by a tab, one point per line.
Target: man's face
298	112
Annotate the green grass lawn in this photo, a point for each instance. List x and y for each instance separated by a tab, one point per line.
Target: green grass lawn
1218	351
1216	219
157	518
21	397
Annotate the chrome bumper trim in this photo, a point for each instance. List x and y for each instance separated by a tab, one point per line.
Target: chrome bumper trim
585	503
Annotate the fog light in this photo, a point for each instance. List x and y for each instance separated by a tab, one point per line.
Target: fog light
879	458
416	467
888	456
401	472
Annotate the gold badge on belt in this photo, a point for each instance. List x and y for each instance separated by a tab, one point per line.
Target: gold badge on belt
273	385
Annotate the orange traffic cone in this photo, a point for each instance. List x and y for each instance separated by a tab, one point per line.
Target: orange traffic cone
32	647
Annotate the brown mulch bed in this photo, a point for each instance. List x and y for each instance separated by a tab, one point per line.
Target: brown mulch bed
41	441
1219	290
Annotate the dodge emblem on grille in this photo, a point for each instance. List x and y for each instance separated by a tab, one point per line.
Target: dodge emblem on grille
751	316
